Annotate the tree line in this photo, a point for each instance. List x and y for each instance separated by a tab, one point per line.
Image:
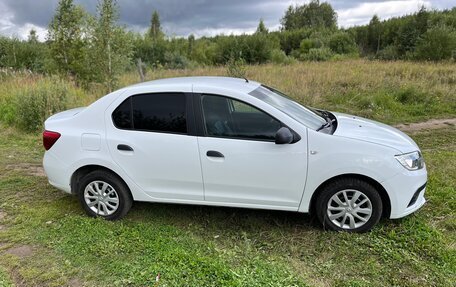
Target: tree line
96	49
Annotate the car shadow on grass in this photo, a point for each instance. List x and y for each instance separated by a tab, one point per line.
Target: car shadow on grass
216	217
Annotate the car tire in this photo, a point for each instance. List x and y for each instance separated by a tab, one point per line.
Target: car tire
103	194
349	204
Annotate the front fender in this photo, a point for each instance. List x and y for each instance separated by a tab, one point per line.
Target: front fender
331	156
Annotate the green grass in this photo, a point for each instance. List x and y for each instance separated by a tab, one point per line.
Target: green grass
4	279
212	246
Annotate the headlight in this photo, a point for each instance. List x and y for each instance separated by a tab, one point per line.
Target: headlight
411	161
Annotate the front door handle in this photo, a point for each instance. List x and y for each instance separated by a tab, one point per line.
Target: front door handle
213	153
124	147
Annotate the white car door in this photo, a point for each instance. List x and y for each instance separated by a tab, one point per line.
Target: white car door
150	139
241	164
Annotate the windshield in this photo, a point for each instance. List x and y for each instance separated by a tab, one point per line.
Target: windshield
280	101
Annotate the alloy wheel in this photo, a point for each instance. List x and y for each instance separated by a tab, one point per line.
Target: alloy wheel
101	198
349	209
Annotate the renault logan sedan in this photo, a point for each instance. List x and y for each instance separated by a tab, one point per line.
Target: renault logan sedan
231	142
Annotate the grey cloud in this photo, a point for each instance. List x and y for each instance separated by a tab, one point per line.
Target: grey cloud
30	11
182	17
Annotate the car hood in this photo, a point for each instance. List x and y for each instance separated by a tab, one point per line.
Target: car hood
354	127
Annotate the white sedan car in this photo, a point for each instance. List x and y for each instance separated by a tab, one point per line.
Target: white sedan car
231	142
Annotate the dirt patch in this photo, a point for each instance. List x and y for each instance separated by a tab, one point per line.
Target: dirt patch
28	168
75	282
20	251
2	217
2	214
17	278
428	125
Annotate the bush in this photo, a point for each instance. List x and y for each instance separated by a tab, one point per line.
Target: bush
342	43
389	53
410	95
317	54
33	104
7	110
279	57
296	54
257	48
254	49
438	43
204	52
311	43
291	40
174	60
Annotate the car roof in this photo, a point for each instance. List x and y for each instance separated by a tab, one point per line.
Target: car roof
238	84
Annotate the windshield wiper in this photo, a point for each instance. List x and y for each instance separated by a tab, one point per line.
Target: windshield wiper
325	125
328	119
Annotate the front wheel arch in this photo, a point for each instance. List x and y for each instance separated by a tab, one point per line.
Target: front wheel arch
381	190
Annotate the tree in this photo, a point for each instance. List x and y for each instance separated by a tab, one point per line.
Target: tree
23	55
421	20
155	31
342	43
314	14
411	30
261	29
65	37
438	43
191	44
374	32
32	36
154	45
111	51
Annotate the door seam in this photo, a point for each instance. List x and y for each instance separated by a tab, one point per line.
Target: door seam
201	169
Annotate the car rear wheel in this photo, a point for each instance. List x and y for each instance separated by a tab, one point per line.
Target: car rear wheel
349	204
103	194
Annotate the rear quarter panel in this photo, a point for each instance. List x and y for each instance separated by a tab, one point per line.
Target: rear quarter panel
68	153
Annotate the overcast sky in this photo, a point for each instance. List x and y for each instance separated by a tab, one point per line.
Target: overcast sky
203	17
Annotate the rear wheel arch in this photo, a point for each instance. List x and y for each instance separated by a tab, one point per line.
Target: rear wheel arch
380	189
84	170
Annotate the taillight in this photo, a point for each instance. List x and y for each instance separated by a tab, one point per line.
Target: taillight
49	139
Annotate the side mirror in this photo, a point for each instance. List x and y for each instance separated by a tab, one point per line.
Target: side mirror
283	136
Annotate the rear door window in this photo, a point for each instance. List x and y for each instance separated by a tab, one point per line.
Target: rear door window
165	112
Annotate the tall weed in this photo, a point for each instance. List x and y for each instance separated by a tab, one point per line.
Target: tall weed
34	105
28	105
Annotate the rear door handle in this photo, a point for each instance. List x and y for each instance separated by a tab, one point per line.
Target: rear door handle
213	153
124	147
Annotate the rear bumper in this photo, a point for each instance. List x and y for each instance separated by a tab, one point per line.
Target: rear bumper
55	170
406	192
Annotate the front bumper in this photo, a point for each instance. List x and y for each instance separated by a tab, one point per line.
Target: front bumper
406	192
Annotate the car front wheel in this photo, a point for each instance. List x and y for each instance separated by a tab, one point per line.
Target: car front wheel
349	204
105	195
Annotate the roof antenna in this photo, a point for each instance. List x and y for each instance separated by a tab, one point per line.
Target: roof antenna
246	80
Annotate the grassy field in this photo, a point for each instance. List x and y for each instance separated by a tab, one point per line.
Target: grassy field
393	92
46	240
